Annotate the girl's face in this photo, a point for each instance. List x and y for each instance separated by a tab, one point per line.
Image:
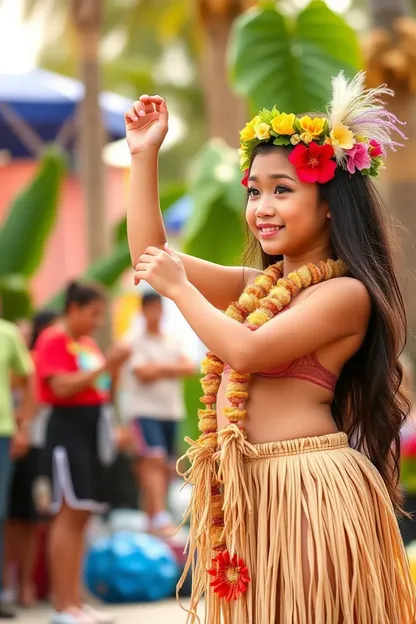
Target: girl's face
86	319
285	215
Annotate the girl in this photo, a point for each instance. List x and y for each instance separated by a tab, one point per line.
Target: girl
295	475
75	380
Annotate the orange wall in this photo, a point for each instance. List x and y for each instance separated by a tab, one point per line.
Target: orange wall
65	255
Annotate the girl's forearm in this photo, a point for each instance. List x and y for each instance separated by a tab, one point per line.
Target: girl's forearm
144	220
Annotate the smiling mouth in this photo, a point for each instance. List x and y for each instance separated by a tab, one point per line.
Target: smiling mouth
269	230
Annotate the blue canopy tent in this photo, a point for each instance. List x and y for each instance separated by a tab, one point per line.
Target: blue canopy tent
42	105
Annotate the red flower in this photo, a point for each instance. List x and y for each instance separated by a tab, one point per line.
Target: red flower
244	181
408	448
230	576
313	163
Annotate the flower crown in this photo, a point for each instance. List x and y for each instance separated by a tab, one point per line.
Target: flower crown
353	135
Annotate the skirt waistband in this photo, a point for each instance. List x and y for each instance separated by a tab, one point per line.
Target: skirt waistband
297	446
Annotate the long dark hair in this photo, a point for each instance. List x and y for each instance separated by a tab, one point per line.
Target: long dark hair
369	404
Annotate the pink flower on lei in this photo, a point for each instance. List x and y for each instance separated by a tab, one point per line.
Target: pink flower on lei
358	158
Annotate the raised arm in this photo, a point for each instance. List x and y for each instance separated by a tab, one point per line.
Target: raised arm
146	128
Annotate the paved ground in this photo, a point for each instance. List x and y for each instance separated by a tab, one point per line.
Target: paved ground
163	612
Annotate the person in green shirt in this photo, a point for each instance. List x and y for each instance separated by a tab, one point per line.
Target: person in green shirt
15	360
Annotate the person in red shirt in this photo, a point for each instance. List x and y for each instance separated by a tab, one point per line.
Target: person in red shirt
75	380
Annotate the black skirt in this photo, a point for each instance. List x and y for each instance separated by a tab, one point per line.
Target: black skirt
70	466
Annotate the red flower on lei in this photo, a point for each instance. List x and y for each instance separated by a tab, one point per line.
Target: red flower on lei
313	163
230	574
244	181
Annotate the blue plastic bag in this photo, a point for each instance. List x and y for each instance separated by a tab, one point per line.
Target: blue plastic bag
130	567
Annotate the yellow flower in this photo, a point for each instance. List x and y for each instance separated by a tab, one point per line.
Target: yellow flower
314	127
283	123
248	132
341	136
244	159
306	137
262	131
295	139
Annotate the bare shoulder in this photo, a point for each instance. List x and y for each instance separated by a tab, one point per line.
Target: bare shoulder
348	294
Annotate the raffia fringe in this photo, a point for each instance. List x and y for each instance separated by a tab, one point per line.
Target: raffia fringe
320	539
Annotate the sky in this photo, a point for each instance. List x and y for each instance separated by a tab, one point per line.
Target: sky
19	42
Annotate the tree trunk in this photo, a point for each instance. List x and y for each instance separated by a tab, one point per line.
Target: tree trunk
86	15
400	194
226	112
390	59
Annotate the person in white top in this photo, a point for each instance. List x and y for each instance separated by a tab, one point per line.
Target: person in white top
155	407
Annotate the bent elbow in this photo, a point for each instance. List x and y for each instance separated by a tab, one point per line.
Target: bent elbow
241	362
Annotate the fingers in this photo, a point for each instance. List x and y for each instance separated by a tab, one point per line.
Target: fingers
147	104
130	116
139	108
153	251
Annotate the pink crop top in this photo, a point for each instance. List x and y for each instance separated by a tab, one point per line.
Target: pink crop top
307	368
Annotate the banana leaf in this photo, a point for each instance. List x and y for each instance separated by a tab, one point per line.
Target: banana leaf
15	299
31	218
275	60
106	272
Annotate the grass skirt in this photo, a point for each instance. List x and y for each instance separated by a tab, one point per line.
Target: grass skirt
321	540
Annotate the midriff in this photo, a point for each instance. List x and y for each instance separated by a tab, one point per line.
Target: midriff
281	409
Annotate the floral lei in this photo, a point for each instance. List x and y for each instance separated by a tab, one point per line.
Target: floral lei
219	497
352	135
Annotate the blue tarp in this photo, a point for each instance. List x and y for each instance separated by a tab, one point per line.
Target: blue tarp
45	100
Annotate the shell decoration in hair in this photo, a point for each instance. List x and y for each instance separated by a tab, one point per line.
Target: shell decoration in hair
353	134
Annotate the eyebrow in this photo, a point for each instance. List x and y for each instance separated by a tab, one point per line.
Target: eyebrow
273	176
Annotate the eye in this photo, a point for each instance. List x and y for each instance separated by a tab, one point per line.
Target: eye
253	192
280	189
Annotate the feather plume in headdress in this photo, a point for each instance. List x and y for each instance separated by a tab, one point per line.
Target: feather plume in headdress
363	111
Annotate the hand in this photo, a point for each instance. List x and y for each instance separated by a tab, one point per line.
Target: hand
151	372
20	444
161	269
116	356
146	124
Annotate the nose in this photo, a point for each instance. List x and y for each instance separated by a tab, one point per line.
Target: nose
265	208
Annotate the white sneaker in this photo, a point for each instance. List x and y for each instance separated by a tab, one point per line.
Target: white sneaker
99	617
74	616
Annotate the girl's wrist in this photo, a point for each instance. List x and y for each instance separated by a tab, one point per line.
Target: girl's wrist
151	153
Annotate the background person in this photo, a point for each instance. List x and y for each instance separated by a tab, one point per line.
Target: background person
75	379
155	407
14	360
20	548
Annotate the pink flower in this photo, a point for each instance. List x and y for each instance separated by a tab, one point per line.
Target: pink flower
375	149
358	158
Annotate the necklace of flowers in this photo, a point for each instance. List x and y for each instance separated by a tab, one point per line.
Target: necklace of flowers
219	498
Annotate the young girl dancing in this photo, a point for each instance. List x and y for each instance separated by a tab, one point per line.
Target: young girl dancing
295	474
